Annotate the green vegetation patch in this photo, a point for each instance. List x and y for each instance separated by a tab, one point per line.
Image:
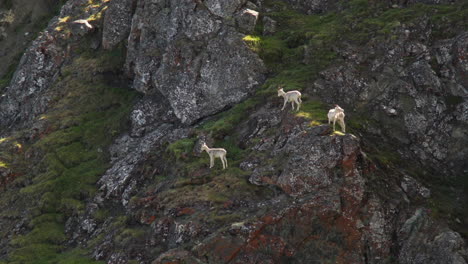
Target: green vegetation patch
181	148
87	114
225	122
313	110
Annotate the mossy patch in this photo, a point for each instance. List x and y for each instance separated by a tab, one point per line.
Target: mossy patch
127	235
225	122
181	148
87	114
313	110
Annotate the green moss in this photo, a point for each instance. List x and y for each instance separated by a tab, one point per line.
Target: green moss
42	233
361	121
272	49
128	234
74	154
253	42
34	254
111	60
217	197
225	122
94	242
384	156
101	214
87	114
235	154
314	111
224	218
181	148
120	221
75	256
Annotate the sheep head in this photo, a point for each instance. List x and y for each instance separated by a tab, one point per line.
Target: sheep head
280	91
204	147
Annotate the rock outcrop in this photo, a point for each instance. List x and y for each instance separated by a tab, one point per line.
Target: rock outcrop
421	104
19	24
192	54
294	192
26	97
314	6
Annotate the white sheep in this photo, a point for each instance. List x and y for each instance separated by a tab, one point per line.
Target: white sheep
291	96
215	153
337	113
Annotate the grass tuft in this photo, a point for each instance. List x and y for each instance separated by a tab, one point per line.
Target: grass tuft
87	115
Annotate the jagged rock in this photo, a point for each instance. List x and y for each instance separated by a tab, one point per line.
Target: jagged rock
18	19
314	6
119	180
246	20
269	26
117	22
424	78
460	61
424	117
148	113
224	8
421	241
314	197
38	69
404	3
413	188
200	67
430	2
309	169
252	6
176	256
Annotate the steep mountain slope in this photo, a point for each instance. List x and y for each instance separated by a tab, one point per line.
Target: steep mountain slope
20	21
101	127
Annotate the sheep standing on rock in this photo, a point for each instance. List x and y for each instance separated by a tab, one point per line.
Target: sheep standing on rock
215	153
291	96
335	114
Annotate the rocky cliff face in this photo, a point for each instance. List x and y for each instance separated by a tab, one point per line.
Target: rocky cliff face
178	43
415	87
103	120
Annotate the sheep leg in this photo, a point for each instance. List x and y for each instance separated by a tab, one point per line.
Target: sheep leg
343	126
298	102
211	161
334	121
292	105
284	105
225	160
